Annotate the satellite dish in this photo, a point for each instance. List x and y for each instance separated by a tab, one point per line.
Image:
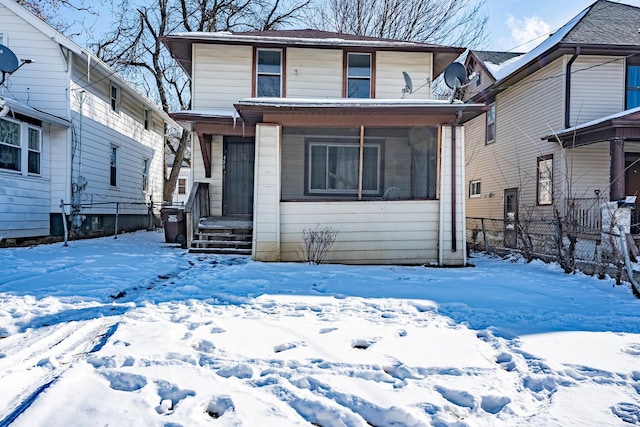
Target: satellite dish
409	84
8	60
455	75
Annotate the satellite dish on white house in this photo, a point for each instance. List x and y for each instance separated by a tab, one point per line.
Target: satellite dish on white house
455	75
8	60
408	83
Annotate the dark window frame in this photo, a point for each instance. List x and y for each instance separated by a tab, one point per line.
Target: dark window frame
113	165
257	73
370	78
490	128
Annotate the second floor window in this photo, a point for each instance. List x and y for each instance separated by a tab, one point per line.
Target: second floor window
358	75
147	119
268	73
113	166
633	83
491	124
115	98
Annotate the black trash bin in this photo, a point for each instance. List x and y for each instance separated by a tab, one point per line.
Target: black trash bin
175	227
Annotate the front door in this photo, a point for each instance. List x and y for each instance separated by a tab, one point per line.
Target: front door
632	186
237	194
511	218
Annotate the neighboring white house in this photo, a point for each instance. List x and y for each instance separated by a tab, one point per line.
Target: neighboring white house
72	130
183	185
299	128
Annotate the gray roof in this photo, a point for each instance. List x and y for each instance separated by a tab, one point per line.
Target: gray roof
495	57
607	23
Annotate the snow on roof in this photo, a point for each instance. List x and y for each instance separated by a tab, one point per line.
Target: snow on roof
513	66
598	121
495	69
349	102
233	114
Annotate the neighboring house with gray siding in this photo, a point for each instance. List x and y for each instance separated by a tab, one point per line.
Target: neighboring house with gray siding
562	128
299	128
74	131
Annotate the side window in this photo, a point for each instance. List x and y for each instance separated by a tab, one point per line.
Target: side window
491	124
35	144
359	74
269	73
10	145
182	186
115	98
545	180
147	119
475	189
145	175
113	166
632	97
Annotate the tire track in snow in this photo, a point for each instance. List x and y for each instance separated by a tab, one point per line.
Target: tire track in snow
52	353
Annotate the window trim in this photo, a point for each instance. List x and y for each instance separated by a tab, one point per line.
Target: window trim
478	188
539	160
488	141
113	165
372	73
19	147
344	142
256	74
114	102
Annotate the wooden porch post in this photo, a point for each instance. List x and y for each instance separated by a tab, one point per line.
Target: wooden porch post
616	169
361	162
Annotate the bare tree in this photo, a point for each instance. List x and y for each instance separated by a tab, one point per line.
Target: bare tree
452	22
49	12
134	48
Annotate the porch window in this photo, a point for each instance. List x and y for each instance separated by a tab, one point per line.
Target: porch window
268	73
358	75
474	189
10	146
545	180
113	166
333	167
34	152
633	83
491	124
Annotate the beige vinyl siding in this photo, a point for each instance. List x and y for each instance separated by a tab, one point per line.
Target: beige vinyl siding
447	256
597	88
588	171
314	73
389	80
266	215
399	232
215	181
221	76
42	84
60	166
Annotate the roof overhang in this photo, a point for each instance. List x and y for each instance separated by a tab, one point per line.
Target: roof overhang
180	46
11	107
350	112
625	125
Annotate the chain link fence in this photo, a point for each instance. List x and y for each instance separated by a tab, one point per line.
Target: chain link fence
574	246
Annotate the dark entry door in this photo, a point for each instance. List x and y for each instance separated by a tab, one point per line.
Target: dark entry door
511	218
237	195
632	186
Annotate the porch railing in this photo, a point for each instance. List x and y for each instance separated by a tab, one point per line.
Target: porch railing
197	206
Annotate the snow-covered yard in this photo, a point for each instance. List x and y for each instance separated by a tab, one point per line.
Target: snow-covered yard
135	332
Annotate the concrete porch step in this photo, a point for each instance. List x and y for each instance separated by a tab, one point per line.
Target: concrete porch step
220	251
223	235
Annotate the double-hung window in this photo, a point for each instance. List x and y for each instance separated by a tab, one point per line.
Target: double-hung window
491	124
113	166
269	73
115	98
545	180
334	167
475	189
182	186
633	83
20	146
10	145
145	175
358	75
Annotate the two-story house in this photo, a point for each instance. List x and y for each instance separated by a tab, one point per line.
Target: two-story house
73	134
301	128
562	133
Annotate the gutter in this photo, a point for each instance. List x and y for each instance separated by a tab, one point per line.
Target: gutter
567	91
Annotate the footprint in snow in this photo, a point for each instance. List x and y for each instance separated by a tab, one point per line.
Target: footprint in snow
327	330
123	381
170	396
457	397
363	343
219	406
287	346
632	349
627	412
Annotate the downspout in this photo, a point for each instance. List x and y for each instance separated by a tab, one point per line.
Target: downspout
567	91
